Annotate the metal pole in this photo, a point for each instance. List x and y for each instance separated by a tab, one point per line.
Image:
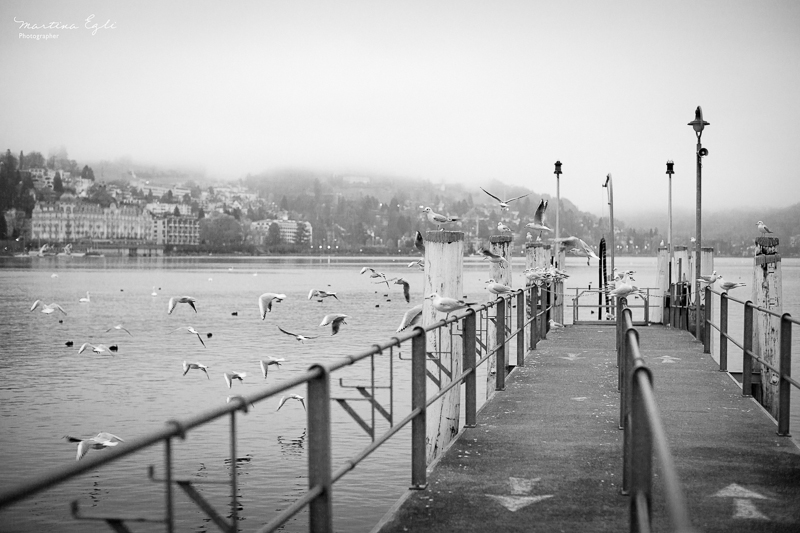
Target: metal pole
610	184
670	172
419	478
320	509
500	332
698	238
785	367
470	383
558	210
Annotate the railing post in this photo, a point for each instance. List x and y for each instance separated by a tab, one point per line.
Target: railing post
521	328
620	348
631	335
500	332
785	366
723	332
234	475
169	495
470	382
747	359
535	315
320	514
642	442
709	316
419	479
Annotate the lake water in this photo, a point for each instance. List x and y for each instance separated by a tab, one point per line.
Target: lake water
48	390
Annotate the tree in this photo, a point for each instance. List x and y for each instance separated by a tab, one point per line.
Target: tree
301	237
284	204
3	226
220	230
201	213
274	234
87	173
176	211
58	184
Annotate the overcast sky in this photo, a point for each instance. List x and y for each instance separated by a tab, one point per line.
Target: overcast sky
449	91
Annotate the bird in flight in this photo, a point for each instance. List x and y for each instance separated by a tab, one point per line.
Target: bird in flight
230	376
419	242
98	348
285	399
269	362
503	203
265	302
492	257
193	331
411	317
578	246
175	300
119	328
763	228
194	366
438	219
335	320
98	442
47	308
538	219
319	293
406	287
297	336
375	274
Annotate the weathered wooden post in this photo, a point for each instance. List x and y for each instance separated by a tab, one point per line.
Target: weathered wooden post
501	245
559	260
537	255
681	257
444	265
662	286
766	327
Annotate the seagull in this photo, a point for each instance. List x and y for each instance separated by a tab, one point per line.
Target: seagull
47	308
119	327
297	336
319	293
265	302
229	398
497	288
411	317
230	376
447	305
270	361
438	219
190	329
194	366
335	320
578	246
375	274
98	442
728	285
154	293
763	228
419	263
710	279
502	227
624	290
98	349
503	203
492	257
419	243
538	219
85	300
285	399
175	300
555	325
406	287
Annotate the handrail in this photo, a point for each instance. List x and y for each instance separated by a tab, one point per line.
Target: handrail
532	312
782	412
644	429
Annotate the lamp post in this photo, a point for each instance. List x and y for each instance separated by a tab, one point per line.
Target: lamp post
670	172
698	124
610	185
558	209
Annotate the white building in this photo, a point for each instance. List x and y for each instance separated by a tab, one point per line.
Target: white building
158	208
288	229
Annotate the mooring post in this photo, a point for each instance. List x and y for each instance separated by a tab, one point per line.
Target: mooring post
500	376
559	260
500	272
662	286
444	265
766	293
747	348
537	255
706	268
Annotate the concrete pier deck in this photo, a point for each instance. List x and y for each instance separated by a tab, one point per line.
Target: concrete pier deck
546	454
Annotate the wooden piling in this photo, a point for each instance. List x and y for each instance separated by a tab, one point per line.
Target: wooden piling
766	293
559	260
501	245
444	265
662	287
537	254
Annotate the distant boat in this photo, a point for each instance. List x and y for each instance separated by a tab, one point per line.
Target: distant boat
94	253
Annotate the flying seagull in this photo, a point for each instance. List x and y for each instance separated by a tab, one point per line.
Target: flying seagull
503	203
406	287
98	442
98	349
375	274
190	329
285	399
230	376
578	246
538	219
492	257
297	336
419	243
411	317
269	362
120	328
265	302
335	320
319	293
438	219
175	300
47	308
194	366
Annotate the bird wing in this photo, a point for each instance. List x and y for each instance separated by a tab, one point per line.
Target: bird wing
538	217
83	347
227	379
281	402
490	194
264	368
186	368
588	249
302	401
171	305
407	292
191	302
108	439
337	322
36	304
83	448
410	317
517	198
126	331
287	332
312	293
201	340
56	306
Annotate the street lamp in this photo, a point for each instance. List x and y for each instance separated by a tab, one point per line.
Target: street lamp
610	185
670	172
558	209
698	124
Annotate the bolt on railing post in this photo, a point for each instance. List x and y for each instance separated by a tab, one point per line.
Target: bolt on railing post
320	515
521	328
535	315
785	366
471	381
419	478
642	461
747	360
234	502
709	316
723	332
500	332
168	495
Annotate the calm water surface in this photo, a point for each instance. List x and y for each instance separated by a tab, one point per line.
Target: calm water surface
47	390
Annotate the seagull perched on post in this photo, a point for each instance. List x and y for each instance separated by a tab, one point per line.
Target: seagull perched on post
98	442
194	366
538	219
497	288
503	203
175	300
763	228
438	219
335	320
578	246
265	302
447	305
503	227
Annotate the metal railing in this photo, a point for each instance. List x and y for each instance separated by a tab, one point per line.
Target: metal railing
676	312
783	372
641	421
533	307
606	312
